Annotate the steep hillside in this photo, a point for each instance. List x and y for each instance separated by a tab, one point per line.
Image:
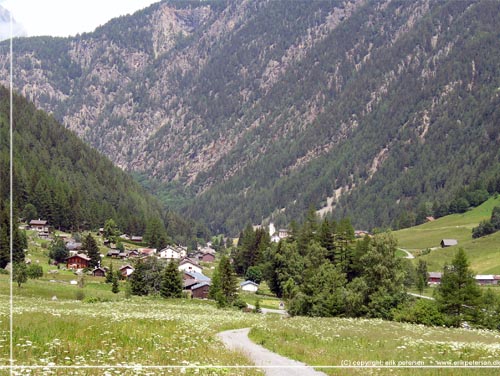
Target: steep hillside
67	182
257	109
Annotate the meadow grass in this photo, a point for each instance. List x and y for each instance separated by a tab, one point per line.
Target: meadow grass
150	331
335	342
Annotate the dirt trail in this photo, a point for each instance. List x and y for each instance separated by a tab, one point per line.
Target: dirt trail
271	363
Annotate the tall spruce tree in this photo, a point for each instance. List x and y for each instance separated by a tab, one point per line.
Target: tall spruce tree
225	288
171	281
93	253
422	276
458	293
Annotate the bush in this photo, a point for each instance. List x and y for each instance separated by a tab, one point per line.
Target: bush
239	303
421	311
79	295
35	271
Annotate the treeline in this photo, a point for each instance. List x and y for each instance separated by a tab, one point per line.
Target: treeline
322	270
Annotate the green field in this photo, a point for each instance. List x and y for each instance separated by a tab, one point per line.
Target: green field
483	253
116	333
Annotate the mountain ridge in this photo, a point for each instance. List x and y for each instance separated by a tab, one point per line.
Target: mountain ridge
256	107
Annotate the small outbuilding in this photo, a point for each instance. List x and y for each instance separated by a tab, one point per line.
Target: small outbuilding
200	290
448	243
99	272
249	286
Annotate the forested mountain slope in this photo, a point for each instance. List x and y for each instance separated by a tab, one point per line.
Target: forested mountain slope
69	184
259	109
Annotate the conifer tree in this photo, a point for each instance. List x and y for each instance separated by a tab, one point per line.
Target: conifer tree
137	279
93	253
422	276
224	283
114	283
109	274
458	292
171	281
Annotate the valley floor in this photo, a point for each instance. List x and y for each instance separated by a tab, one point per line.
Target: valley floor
112	335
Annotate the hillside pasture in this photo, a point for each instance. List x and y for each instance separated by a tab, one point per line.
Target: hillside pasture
483	253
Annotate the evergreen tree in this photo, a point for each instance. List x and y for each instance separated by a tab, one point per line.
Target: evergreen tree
110	274
137	280
90	245
384	276
110	230
422	276
156	235
58	251
458	292
225	288
171	282
115	288
29	212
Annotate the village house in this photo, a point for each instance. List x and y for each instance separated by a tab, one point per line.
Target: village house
206	257
73	246
147	251
113	253
197	283
126	270
189	265
172	253
137	239
39	225
78	261
434	278
249	286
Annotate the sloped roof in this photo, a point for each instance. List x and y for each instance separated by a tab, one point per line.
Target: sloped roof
248	283
198	276
201	284
38	222
79	255
435	274
449	242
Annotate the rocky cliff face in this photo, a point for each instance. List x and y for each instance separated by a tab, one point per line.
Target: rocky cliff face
251	99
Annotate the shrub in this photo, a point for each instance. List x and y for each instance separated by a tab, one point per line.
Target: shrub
421	311
35	271
79	295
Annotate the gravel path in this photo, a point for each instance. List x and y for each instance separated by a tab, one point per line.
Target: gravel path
272	364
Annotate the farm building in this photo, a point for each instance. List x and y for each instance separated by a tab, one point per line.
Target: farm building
99	272
448	243
488	279
200	290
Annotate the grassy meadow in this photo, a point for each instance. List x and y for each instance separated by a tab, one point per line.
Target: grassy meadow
133	336
482	253
357	342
